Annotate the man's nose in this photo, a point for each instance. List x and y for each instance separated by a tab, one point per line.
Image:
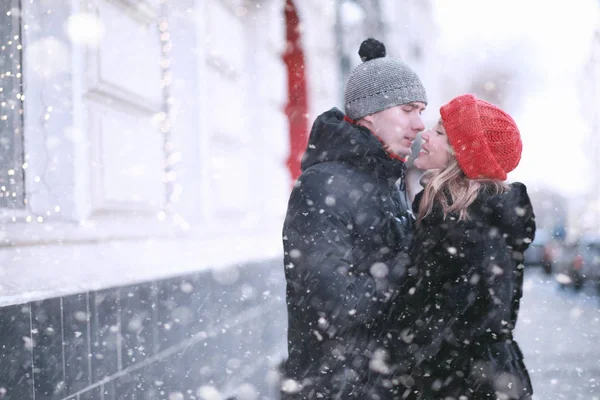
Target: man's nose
418	124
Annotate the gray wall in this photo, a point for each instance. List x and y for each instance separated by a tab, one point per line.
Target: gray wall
178	338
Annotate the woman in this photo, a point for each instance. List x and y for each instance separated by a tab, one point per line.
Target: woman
455	323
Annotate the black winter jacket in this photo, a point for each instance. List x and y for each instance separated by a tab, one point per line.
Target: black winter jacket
459	308
347	219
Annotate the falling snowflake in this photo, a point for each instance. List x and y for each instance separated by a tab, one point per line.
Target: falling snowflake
85	29
291	386
379	270
208	392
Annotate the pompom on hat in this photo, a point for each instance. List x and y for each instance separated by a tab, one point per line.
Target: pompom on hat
485	139
380	82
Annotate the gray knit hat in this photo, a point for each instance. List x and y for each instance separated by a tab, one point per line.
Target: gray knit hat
380	82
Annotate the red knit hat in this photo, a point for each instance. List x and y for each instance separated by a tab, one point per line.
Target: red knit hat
485	139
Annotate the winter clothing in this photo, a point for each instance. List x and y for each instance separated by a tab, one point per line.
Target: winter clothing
458	310
485	139
380	82
347	219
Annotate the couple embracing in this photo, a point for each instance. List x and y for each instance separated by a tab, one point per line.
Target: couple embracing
392	300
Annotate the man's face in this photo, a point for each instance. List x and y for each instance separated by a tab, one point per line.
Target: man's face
398	126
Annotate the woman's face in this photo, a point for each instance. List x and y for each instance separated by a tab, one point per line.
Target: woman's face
435	150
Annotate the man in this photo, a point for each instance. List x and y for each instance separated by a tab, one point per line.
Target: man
347	218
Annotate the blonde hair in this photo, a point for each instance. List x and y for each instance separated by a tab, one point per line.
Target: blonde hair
451	183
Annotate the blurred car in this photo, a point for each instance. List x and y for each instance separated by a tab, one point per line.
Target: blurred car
585	263
560	257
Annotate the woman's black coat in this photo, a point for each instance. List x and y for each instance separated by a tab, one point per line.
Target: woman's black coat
452	326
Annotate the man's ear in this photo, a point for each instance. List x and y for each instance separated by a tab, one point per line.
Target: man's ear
366	121
368	118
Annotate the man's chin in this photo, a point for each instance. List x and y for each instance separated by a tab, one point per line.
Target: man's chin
403	154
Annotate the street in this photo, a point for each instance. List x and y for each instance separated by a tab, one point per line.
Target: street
559	332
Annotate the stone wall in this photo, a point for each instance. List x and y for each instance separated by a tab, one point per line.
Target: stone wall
207	335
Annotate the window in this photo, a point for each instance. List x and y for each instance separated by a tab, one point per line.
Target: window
12	193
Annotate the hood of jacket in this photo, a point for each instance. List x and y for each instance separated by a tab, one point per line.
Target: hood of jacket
512	213
333	138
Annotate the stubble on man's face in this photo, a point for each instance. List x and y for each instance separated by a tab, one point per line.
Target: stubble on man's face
398	127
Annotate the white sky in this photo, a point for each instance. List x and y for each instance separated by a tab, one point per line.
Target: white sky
548	42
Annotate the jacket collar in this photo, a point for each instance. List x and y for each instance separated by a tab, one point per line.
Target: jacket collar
334	137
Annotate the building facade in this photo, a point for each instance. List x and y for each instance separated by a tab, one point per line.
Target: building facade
148	150
587	218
